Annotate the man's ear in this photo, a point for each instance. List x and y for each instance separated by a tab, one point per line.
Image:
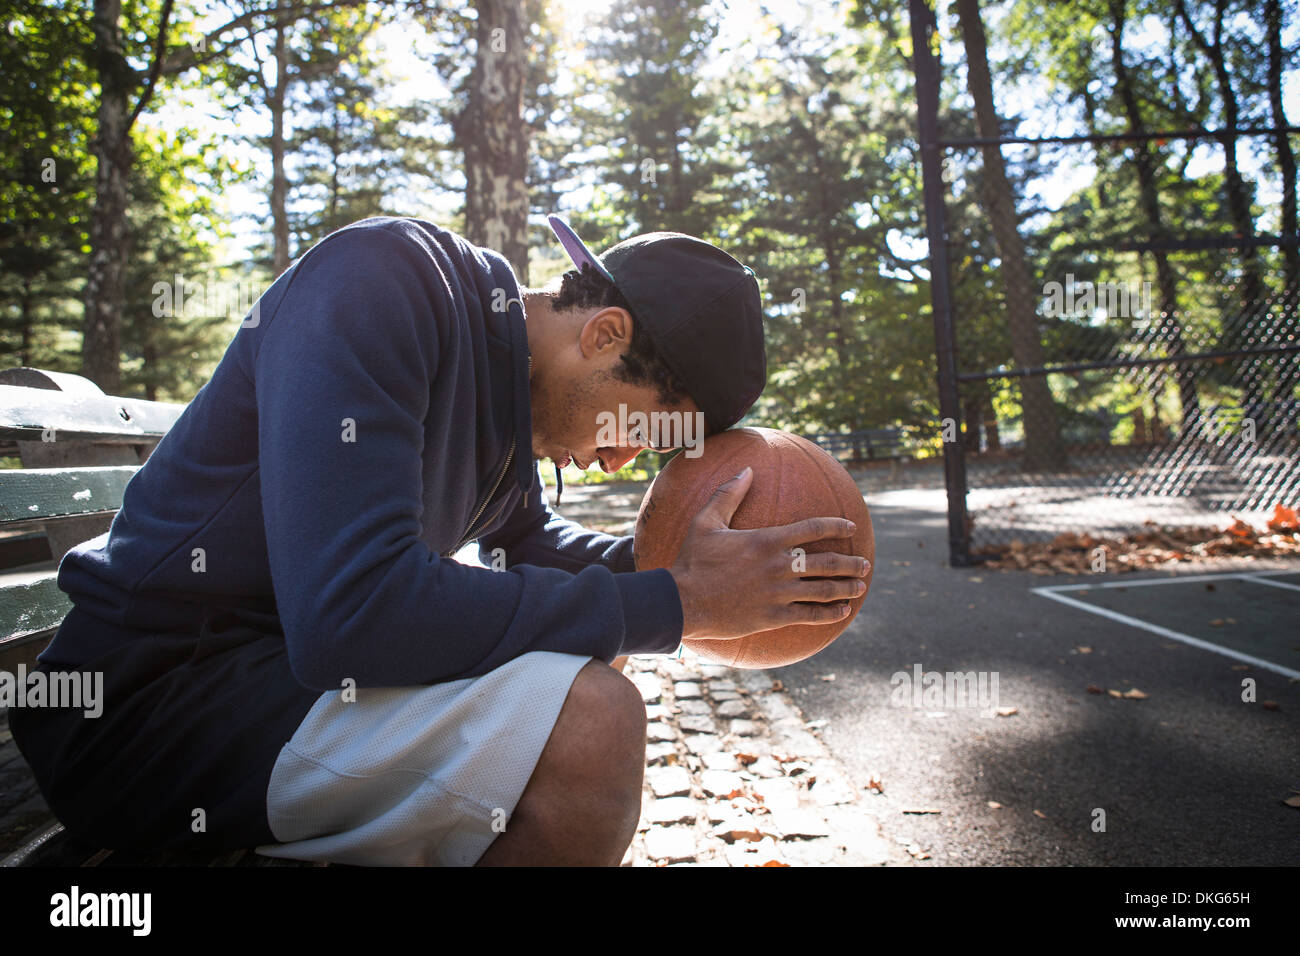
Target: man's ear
608	328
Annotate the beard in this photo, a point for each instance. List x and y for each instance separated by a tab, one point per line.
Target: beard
564	412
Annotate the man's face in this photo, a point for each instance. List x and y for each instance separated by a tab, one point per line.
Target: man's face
584	414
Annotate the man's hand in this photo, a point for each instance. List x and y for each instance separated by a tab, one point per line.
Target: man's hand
734	583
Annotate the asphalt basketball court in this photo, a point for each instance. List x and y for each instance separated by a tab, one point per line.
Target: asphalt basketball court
1249	616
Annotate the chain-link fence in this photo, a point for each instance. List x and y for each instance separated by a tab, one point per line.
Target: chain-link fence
1146	417
1153	377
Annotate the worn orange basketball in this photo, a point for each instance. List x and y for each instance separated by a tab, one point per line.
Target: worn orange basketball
793	479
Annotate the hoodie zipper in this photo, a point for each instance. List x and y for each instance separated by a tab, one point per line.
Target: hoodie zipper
469	535
510	454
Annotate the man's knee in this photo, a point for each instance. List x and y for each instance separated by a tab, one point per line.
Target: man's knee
583	800
604	721
596	753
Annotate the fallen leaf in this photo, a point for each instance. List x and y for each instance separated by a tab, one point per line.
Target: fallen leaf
1040	814
828	677
1217	622
1292	801
1240	529
1008	711
733	832
1114	693
1269	705
1071	553
1094	689
746	759
1241	667
1284	519
994	805
777	685
1134	694
1083	649
770	863
923	811
875	784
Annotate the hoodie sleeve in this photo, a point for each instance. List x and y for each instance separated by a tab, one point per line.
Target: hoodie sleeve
535	534
342	374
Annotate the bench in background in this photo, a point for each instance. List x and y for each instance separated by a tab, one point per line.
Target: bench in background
873	444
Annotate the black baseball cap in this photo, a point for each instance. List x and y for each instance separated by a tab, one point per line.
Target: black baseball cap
701	308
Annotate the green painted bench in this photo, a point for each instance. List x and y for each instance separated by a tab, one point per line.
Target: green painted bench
77	448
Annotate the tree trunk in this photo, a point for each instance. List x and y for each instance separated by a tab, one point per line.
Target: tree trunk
150	355
1043	447
106	282
972	414
1170	329
335	187
1285	157
279	180
1252	282
992	438
25	304
494	136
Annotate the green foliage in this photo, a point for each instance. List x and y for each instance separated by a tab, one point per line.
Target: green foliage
46	188
790	143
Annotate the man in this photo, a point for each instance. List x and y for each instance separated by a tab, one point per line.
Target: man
291	658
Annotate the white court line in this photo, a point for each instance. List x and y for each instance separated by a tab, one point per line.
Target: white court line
1177	580
1274	584
1164	631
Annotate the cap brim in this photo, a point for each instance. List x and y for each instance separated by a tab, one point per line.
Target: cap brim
575	247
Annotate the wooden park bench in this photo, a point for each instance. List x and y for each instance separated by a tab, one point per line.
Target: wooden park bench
874	444
78	448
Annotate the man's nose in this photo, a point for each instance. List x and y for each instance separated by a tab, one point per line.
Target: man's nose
612	459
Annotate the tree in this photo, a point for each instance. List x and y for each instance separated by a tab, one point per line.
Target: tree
1043	448
645	124
1277	60
47	182
492	133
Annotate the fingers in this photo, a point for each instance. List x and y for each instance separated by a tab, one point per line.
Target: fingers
830	564
812	529
721	507
813	614
825	590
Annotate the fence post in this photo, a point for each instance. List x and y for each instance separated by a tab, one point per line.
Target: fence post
927	111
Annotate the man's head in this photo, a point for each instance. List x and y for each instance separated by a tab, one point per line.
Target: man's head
660	341
595	359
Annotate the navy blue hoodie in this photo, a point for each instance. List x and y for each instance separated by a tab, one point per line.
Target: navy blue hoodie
370	416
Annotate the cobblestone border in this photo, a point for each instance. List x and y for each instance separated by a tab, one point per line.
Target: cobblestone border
736	777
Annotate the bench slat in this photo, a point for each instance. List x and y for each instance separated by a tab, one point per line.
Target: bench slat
26	414
40	494
30	604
